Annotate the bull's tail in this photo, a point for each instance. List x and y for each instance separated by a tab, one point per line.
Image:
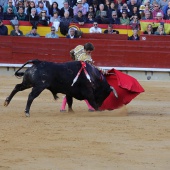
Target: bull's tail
20	74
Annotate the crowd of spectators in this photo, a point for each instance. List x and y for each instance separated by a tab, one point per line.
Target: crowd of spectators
120	12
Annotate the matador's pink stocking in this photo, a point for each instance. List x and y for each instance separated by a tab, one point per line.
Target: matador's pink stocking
89	106
63	106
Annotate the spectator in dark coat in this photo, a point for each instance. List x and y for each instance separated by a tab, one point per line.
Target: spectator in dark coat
9	15
90	2
65	22
54	8
79	18
167	16
43	19
107	4
33	18
101	15
3	29
111	9
135	35
72	3
90	18
131	4
66	8
135	11
95	6
31	5
149	30
1	13
91	10
114	19
124	9
16	31
21	16
110	30
71	33
165	8
20	5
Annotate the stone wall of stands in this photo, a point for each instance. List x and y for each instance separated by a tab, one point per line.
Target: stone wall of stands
110	50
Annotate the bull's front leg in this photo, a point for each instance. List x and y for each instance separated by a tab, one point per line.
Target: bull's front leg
93	103
70	103
34	93
89	96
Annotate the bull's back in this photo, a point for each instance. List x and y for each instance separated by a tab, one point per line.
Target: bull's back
53	74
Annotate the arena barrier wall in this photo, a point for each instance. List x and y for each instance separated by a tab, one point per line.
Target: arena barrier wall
108	52
145	60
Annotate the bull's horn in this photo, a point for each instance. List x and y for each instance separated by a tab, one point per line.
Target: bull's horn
114	91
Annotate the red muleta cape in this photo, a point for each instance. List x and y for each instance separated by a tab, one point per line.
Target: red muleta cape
126	87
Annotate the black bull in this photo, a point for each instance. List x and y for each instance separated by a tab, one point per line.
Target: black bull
58	78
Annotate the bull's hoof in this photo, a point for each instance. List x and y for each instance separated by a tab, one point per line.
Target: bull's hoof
70	111
27	114
6	103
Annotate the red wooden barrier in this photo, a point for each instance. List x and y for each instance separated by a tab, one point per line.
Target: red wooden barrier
105	36
158	38
108	52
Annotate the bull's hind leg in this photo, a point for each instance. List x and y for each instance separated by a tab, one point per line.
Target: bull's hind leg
34	93
18	87
70	103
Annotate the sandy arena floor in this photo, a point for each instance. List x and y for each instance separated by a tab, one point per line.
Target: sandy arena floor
135	137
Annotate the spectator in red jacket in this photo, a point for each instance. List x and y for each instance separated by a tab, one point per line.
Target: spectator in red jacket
156	10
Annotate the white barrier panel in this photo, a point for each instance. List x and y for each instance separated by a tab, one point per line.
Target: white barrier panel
107	68
158	74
